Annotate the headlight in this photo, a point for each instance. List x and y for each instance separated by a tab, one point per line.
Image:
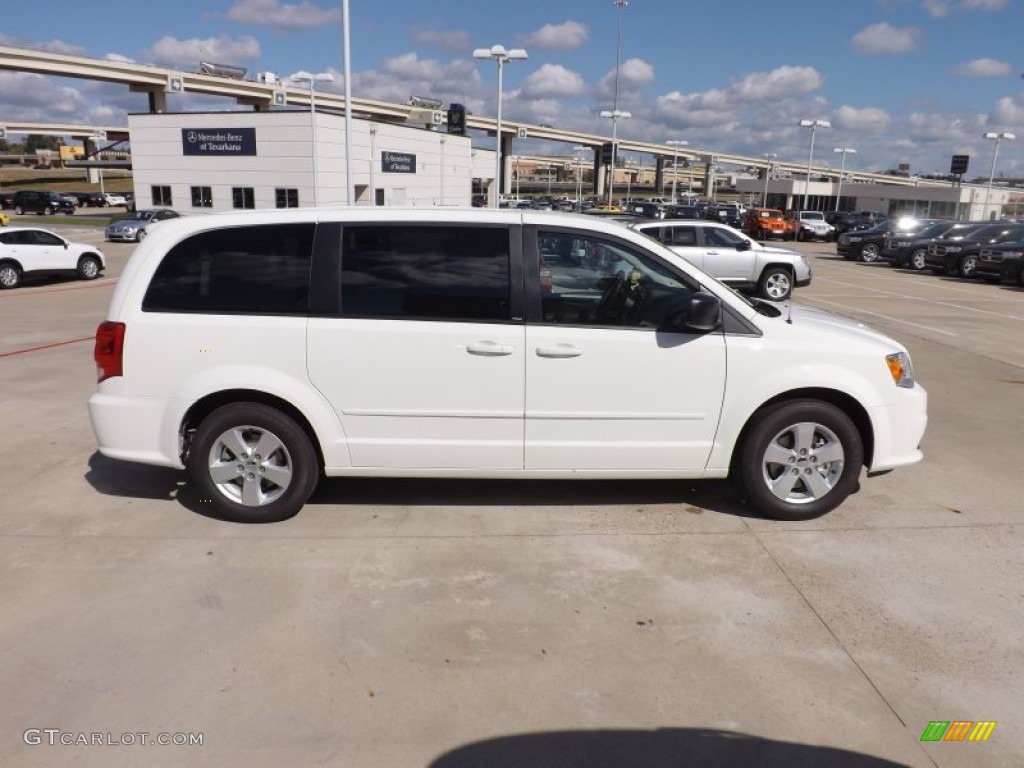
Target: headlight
900	369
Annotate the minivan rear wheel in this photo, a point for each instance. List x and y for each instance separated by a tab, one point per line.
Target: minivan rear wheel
800	459
251	463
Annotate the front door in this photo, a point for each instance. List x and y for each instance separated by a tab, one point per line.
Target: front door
727	254
606	388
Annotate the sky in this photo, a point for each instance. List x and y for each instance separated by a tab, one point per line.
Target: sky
901	81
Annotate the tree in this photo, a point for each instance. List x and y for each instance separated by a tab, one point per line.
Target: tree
34	142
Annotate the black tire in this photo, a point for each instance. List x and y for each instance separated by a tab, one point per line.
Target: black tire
1020	277
19	210
10	275
870	253
776	284
89	268
47	211
967	266
292	451
917	261
827	429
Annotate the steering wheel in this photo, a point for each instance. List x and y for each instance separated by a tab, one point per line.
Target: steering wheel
613	299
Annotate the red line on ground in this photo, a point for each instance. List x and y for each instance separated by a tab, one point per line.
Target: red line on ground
32	291
46	346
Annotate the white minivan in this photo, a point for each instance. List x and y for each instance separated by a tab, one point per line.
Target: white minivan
263	350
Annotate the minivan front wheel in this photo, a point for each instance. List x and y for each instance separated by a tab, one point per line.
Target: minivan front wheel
252	464
800	459
776	284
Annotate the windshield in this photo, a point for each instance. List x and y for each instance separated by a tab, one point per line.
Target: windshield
813	215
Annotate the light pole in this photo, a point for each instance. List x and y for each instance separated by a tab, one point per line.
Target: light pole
996	137
501	56
515	159
307	77
99	169
675	144
579	150
814	125
769	156
844	151
614	115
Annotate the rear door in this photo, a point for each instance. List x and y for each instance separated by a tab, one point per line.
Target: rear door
423	362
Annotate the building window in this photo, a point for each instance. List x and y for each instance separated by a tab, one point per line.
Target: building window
202	197
403	271
161	195
242	197
285	198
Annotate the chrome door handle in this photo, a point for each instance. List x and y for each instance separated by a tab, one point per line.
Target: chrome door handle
489	349
559	350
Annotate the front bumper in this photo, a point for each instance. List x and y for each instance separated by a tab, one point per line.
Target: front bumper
899	429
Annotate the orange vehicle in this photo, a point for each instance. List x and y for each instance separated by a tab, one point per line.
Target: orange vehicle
765	223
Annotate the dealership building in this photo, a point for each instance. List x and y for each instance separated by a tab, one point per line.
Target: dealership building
207	162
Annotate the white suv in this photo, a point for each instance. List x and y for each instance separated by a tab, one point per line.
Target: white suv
811	224
40	251
733	257
263	350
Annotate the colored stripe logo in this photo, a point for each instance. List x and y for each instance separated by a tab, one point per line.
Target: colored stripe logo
958	730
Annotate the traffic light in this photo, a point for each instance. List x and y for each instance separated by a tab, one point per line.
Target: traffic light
457	119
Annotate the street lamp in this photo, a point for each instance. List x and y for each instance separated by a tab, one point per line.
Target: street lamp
675	144
579	150
842	169
614	115
515	159
996	137
814	125
501	56
302	76
99	169
769	156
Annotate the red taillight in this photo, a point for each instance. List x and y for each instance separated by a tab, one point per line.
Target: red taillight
109	350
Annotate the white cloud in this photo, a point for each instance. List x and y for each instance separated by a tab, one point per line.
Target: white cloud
50	46
983	5
885	38
634	75
553	80
558	37
456	41
172	52
983	68
938	9
36	98
863	120
781	82
398	78
289	18
1008	111
933	127
118	57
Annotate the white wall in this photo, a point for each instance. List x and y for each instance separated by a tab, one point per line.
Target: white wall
444	163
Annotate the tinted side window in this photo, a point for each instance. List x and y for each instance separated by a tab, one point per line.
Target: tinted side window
721	237
415	271
252	270
42	238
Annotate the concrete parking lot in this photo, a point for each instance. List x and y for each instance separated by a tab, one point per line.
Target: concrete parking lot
430	623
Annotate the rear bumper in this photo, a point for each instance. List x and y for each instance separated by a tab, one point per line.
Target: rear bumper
142	429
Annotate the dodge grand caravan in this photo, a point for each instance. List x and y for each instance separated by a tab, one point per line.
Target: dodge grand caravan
262	350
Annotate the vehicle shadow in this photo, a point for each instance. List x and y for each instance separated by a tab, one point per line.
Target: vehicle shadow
139	481
661	748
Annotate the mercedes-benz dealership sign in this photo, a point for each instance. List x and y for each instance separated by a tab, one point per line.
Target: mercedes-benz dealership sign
218	141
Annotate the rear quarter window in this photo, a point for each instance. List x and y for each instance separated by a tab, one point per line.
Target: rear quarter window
246	270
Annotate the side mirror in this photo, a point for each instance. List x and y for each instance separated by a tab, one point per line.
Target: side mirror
702	312
65	245
743	245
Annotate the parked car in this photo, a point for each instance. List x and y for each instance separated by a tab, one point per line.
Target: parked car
6	200
4	220
845	221
646	210
133	228
41	201
682	212
39	251
410	349
810	225
997	263
908	249
112	198
766	223
912	252
959	256
866	244
732	257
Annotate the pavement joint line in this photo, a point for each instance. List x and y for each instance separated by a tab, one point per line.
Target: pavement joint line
58	289
848	308
895	295
840	643
46	346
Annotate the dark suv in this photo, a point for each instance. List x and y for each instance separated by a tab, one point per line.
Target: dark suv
1001	262
961	257
908	249
866	244
44	202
